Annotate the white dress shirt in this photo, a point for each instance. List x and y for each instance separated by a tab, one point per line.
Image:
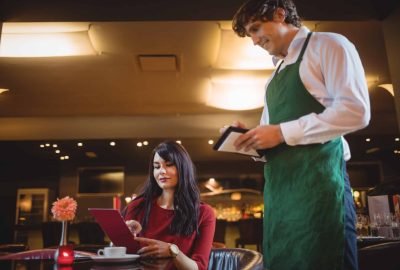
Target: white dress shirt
331	70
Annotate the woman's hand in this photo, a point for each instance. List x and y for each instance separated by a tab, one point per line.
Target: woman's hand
134	226
153	248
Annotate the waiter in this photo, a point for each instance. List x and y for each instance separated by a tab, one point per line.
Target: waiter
317	94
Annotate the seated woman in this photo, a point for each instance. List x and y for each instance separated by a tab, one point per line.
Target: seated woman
168	215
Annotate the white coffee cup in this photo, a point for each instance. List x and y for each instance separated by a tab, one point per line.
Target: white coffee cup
112	252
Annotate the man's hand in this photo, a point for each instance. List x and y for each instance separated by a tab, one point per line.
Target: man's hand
234	124
261	137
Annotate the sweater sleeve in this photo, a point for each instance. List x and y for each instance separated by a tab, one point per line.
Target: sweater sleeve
203	243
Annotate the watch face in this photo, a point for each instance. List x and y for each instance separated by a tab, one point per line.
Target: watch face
174	250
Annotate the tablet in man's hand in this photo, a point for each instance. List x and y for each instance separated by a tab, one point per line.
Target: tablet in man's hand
225	142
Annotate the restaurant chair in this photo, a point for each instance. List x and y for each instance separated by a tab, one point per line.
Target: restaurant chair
250	233
235	259
51	233
380	256
90	233
220	230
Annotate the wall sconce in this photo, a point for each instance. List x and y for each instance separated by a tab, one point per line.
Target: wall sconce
388	87
25	203
45	40
236	196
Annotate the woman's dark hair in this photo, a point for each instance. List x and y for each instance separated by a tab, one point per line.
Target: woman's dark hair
263	10
186	196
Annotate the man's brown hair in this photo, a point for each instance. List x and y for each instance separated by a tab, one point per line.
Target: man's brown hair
263	10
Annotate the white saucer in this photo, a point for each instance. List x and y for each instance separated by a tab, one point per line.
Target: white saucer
126	258
371	237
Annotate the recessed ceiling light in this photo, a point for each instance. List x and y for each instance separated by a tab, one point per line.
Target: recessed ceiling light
139	144
55	145
397	139
112	143
66	157
79	144
42	146
62	158
145	143
57	151
47	145
210	141
368	139
178	141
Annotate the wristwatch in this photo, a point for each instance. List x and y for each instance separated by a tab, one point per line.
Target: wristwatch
173	250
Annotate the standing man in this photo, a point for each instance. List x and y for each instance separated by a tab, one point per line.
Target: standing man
317	94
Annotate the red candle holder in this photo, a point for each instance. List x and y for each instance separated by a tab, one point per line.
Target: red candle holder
64	255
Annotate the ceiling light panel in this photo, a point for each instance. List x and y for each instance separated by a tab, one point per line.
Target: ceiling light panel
44	40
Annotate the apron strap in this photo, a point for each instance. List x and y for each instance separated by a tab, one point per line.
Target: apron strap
279	67
304	47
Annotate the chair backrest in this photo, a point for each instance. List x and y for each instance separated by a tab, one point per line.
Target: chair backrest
90	233
51	233
235	259
380	256
220	229
250	230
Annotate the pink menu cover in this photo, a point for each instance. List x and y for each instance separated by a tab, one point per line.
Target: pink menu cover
112	223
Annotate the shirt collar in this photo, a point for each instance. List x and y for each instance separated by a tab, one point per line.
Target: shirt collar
296	44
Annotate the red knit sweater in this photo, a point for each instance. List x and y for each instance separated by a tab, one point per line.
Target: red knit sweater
197	248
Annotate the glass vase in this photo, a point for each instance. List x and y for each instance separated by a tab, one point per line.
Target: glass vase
64	253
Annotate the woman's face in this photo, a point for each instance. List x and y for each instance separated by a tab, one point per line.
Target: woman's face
165	173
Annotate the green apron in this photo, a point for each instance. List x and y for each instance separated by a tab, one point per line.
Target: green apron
304	186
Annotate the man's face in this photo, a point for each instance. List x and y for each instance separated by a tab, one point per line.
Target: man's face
268	35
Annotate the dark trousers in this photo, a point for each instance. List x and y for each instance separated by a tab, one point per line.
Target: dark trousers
350	248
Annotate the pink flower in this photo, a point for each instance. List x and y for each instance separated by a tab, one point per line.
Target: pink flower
64	209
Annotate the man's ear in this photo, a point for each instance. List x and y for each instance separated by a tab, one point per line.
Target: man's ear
279	15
